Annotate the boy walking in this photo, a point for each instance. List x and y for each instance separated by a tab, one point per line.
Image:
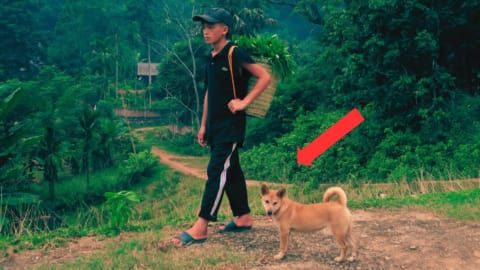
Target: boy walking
223	126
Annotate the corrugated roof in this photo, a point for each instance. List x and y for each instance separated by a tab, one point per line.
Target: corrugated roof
142	69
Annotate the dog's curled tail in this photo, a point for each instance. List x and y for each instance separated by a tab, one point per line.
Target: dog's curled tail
330	192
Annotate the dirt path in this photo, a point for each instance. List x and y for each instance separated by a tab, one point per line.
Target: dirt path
172	161
403	239
388	239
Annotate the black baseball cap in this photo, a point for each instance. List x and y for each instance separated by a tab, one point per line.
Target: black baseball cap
216	15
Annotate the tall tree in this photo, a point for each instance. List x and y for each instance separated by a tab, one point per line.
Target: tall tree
392	53
180	49
16	141
52	85
105	34
21	41
88	120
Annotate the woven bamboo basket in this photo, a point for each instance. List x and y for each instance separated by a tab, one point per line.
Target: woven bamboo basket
259	107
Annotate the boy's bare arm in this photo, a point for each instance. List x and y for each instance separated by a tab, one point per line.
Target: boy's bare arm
203	125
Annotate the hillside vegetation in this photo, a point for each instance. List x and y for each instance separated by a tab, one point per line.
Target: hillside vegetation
71	166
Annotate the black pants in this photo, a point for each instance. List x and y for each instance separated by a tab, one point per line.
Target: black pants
224	175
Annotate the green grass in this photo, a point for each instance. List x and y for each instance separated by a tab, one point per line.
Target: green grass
72	191
437	197
200	162
176	143
460	205
142	253
172	201
169	202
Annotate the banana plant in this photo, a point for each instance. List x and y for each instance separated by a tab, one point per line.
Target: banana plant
7	105
120	207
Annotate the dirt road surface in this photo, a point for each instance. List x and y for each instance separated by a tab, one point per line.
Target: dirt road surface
387	239
403	239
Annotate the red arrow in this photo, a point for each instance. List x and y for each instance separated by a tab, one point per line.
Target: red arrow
332	135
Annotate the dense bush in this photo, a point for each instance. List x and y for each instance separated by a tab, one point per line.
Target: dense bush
403	66
137	167
399	156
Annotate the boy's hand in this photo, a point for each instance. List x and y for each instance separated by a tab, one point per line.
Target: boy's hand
201	136
236	105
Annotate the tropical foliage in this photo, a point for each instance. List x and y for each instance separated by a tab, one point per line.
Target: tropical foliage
270	49
120	207
67	67
399	63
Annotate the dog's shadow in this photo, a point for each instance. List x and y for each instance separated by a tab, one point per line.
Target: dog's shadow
318	246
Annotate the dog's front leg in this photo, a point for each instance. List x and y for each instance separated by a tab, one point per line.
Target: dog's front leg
284	235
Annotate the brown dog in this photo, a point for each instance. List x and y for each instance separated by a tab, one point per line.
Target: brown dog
290	215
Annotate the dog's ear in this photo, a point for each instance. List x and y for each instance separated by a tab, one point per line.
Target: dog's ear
281	193
264	189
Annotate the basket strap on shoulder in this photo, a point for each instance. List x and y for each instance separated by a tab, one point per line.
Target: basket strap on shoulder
230	65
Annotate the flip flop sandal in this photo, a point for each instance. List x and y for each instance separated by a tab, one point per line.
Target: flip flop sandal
186	239
232	227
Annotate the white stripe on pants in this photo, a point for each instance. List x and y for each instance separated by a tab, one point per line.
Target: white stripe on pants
223	180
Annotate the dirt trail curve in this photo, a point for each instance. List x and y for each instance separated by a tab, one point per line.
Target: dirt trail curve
172	161
388	239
